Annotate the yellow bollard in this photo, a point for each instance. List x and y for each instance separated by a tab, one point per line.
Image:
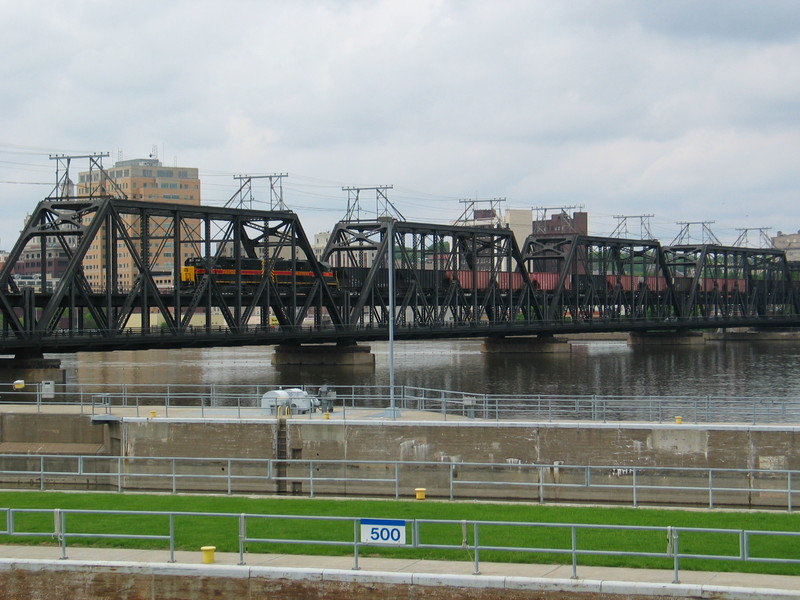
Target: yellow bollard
152	414
679	420
420	493
208	554
326	415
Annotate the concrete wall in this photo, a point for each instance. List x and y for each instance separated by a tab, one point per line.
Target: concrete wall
450	444
53	580
445	447
52	434
577	444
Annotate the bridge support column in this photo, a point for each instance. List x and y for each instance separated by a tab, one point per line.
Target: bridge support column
541	344
666	338
338	355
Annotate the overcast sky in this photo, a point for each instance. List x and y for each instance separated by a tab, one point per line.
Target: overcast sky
687	110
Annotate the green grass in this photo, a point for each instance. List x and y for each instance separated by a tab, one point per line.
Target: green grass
194	532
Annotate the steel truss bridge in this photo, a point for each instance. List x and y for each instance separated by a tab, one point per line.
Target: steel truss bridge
447	281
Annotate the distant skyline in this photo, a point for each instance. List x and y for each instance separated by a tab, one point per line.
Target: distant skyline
687	110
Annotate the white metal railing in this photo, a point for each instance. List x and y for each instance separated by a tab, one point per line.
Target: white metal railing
543	483
106	398
466	535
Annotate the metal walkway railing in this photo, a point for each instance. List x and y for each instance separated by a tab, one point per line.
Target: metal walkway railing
244	401
575	540
542	483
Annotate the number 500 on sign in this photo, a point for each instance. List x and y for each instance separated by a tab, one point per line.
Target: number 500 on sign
383	531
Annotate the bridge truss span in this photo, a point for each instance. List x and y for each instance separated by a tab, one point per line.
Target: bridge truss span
150	274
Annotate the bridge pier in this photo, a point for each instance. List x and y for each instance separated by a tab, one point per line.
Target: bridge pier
540	344
337	355
666	338
753	335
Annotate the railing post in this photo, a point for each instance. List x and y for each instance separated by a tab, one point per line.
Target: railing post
574	536
674	544
541	485
710	488
635	490
242	536
60	524
476	541
744	546
789	483
311	479
230	488
356	538
171	538
452	484
174	478
41	473
119	474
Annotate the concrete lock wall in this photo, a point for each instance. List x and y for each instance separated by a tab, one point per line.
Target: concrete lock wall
448	445
620	446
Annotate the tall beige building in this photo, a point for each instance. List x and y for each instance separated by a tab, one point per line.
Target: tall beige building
149	181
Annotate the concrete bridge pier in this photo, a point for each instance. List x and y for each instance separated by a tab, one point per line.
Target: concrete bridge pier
539	344
666	338
337	355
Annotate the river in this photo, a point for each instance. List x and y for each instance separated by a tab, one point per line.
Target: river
604	368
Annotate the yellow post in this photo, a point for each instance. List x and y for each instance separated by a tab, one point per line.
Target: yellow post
420	493
326	415
679	420
208	554
152	414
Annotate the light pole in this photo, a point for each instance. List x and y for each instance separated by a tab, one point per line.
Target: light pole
392	404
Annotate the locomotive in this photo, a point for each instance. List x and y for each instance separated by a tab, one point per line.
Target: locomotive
283	273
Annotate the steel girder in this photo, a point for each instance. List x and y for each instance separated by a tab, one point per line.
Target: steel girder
444	275
584	278
149	232
714	281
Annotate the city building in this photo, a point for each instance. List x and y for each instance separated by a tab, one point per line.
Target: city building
561	223
149	181
789	243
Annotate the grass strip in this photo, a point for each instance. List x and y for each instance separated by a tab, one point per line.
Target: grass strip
193	532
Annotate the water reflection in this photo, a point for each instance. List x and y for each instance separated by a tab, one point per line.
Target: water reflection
607	368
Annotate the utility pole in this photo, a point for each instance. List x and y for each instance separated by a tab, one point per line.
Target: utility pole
621	230
244	198
763	237
471	215
383	206
706	235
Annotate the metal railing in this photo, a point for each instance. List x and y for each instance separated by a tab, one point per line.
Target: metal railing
245	400
542	483
429	534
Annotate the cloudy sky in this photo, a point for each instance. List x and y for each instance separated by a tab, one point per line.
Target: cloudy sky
688	110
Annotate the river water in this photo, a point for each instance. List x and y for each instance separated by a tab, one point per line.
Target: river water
605	368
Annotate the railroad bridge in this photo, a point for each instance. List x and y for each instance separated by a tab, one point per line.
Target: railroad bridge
249	277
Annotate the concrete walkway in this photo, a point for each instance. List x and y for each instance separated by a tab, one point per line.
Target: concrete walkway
645	582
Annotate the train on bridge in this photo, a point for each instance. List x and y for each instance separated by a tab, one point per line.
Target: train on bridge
300	274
